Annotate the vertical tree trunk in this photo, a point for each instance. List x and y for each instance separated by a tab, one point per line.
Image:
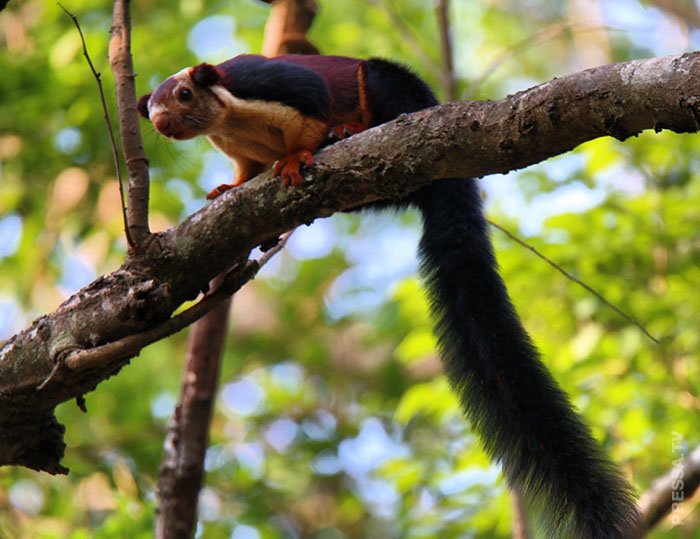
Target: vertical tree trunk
186	442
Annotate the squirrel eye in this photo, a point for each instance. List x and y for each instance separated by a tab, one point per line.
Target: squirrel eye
184	95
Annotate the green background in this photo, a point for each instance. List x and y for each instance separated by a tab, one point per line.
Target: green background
333	419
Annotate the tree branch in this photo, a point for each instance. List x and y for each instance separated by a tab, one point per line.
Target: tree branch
131	345
686	12
576	280
182	469
468	139
520	517
670	491
287	26
408	35
108	123
449	83
136	162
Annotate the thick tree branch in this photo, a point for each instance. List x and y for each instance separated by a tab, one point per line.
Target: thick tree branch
468	139
131	345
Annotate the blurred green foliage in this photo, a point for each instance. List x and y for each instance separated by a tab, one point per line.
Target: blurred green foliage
333	419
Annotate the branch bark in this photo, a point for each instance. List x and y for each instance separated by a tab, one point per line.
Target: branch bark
286	28
182	470
670	491
469	139
136	162
449	83
520	517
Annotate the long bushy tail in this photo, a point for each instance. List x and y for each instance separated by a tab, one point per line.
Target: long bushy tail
523	418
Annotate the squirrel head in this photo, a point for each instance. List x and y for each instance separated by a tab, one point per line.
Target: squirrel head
186	104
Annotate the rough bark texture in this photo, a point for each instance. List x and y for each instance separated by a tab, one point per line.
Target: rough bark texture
182	470
460	139
121	62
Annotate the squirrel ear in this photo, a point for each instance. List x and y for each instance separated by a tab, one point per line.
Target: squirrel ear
142	105
205	75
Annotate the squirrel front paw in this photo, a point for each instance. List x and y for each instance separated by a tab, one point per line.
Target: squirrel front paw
288	168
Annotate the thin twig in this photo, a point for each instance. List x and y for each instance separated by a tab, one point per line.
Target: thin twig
448	70
574	279
267	255
408	35
54	371
182	469
520	516
131	345
115	151
549	32
537	38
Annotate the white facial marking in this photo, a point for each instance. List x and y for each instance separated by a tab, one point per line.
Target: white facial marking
157	108
154	109
225	96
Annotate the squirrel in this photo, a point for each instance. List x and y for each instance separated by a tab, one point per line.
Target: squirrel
278	111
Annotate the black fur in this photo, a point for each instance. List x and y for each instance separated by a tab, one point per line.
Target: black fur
524	419
257	77
142	105
205	75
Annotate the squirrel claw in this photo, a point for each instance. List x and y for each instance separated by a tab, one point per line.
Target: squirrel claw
288	168
346	130
214	193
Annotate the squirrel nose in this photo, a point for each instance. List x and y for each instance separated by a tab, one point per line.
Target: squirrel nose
162	125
